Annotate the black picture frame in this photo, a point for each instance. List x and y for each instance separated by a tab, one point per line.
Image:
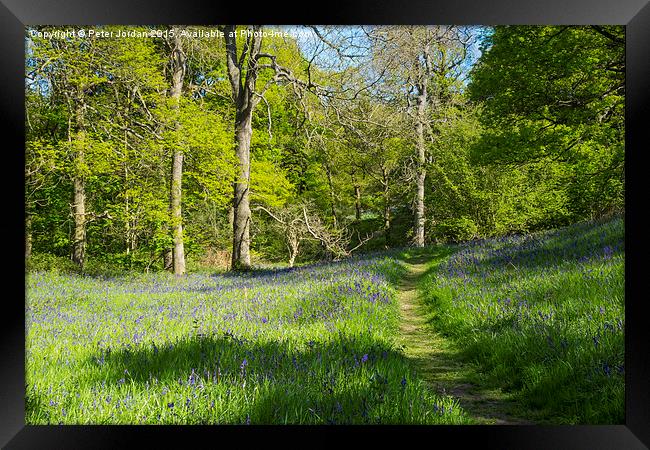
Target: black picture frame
16	14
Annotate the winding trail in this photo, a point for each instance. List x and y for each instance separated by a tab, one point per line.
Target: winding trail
436	360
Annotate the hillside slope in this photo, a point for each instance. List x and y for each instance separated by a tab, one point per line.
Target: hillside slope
542	316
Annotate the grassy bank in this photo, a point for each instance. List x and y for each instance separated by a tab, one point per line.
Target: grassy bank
542	316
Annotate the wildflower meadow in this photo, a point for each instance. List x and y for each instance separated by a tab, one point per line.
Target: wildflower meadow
311	345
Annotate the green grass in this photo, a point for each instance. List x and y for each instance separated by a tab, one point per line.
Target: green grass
542	317
312	345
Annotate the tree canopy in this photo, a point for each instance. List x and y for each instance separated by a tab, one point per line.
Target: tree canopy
265	145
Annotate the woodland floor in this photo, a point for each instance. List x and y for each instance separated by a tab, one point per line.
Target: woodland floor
436	359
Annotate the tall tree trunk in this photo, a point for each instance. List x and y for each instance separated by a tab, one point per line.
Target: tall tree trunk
357	201
168	254
127	209
357	197
28	236
387	217
178	73
421	161
242	213
243	93
79	190
177	220
328	171
79	213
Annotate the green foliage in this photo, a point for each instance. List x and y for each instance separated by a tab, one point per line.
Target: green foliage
461	229
554	95
40	262
269	184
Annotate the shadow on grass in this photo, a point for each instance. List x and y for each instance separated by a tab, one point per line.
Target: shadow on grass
341	381
255	273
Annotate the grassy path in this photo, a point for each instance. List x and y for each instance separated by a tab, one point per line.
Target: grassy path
435	358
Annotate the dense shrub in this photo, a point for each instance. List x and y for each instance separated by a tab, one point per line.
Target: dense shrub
48	262
456	230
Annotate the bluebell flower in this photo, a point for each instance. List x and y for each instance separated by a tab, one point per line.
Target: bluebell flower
607	369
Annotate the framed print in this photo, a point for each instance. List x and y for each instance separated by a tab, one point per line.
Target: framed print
342	221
